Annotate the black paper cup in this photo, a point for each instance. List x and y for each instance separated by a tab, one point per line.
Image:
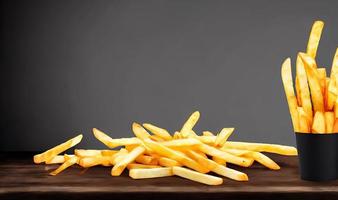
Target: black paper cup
318	157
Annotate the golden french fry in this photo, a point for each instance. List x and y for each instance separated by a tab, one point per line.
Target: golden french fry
175	155
329	121
208	133
167	162
235	152
318	125
212	151
304	89
263	159
335	126
326	93
201	159
210	140
51	153
289	92
219	160
147	160
129	158
87	162
314	38
196	176
87	152
69	162
150	173
186	142
139	131
304	125
322	78
177	135
56	160
313	79
141	166
298	94
189	124
261	147
108	152
223	136
331	94
164	134
112	143
156	138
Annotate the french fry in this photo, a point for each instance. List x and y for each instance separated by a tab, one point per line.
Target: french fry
304	89
69	162
141	166
264	160
322	79
314	38
313	79
139	131
129	158
289	92
147	160
261	147
108	152
112	143
56	160
210	140
51	153
189	124
298	93
156	138
87	162
329	121
186	142
87	152
177	135
175	155
235	152
223	136
164	134
335	126
208	133
150	173
318	125
196	176
219	160
202	160
167	162
304	126
224	155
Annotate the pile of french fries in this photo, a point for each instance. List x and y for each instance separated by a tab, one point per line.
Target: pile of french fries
157	153
314	105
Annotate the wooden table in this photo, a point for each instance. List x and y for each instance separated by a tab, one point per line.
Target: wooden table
20	178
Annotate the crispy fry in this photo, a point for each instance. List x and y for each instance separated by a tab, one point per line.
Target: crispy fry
147	160
224	155
108	152
87	162
335	126
164	134
223	136
56	160
175	155
329	121
189	124
196	176
313	79
261	147
314	38
87	152
304	126
186	142
322	78
289	92
150	173
156	138
139	131
304	89
167	162
129	158
219	160
51	153
112	143
235	152
298	93
69	162
141	166
318	125
263	159
208	133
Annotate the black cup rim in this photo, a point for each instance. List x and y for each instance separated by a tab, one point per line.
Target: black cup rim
302	133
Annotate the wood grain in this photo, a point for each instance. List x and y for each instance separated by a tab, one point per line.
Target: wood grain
21	178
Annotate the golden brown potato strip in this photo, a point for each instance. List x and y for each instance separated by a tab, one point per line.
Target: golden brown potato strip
51	153
167	162
141	166
189	124
69	162
208	133
219	160
196	176
112	143
129	158
223	136
56	160
156	138
263	159
290	93
186	142
147	160
164	134
87	152
298	94
329	121
139	131
318	125
322	78
304	125
314	38
150	173
261	147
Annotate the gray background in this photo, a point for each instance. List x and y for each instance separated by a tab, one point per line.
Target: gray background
68	66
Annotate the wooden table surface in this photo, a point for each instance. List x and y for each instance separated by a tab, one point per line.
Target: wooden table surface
21	178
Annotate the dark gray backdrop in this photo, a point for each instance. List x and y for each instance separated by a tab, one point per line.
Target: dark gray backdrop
68	66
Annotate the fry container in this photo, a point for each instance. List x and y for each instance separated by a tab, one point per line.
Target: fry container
318	157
